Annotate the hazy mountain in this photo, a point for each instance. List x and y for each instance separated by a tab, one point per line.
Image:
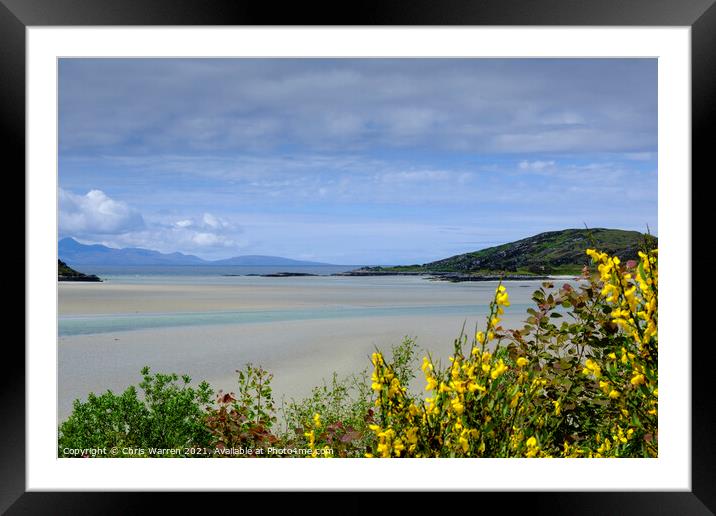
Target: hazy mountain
75	253
257	260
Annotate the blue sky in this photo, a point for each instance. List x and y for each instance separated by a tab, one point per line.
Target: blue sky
353	161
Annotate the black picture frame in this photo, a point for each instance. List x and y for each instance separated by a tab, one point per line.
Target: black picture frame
700	15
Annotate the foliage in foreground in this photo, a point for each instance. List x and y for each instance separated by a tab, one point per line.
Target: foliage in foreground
170	415
580	388
578	380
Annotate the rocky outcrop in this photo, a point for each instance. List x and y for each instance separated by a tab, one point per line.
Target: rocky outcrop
67	273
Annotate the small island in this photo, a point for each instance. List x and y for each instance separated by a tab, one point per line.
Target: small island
67	273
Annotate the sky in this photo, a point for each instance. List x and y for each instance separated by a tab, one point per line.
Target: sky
352	161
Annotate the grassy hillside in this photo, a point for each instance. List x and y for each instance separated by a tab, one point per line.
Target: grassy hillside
554	252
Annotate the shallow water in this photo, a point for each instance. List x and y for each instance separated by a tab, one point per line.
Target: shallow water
302	329
78	325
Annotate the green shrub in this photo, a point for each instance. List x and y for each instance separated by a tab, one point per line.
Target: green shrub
244	421
104	421
170	415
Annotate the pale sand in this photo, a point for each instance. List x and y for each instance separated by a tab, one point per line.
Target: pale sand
299	353
273	293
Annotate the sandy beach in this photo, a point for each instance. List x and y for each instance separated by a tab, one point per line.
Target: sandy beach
300	353
271	293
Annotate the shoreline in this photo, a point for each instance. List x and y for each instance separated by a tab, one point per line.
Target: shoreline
455	277
250	293
299	354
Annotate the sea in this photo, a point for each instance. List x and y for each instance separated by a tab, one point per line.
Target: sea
251	276
200	274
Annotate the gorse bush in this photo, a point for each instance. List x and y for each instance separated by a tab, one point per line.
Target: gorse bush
579	379
337	415
586	387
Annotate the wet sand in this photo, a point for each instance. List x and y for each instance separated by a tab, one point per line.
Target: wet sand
275	293
300	353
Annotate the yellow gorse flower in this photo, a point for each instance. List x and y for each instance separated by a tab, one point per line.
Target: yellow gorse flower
471	414
502	298
457	406
473	386
557	407
591	367
638	379
498	370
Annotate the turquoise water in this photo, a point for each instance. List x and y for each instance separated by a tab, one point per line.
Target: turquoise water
87	325
210	270
335	297
201	274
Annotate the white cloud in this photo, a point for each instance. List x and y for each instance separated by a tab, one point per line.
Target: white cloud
214	222
97	218
536	165
169	239
206	239
199	234
415	176
95	213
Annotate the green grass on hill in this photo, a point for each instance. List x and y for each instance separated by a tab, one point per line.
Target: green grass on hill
554	252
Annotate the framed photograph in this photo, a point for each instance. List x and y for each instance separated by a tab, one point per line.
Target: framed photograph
358	240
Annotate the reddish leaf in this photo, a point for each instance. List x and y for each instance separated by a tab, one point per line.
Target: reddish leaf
350	436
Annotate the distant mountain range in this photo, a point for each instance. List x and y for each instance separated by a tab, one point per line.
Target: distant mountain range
76	254
554	252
